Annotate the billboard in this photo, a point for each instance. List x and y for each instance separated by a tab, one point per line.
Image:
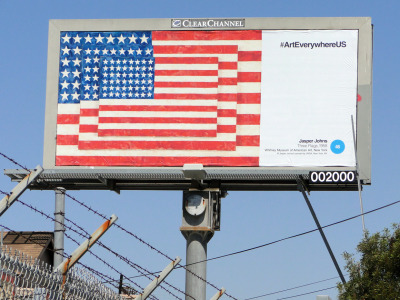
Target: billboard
249	94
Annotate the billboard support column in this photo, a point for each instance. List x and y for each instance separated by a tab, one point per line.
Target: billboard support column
59	216
300	186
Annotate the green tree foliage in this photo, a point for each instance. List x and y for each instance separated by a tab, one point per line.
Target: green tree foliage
376	275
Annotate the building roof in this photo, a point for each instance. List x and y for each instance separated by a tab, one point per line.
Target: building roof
31	243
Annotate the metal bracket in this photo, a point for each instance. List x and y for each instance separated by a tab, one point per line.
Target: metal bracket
17	191
218	294
108	183
156	282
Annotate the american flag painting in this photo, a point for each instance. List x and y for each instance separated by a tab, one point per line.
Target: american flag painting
159	98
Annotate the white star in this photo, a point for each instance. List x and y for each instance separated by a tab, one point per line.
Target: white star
117	88
64	96
117	94
99	39
122	51
137	61
136	95
87	78
87	60
143	95
96	59
95	78
95	96
137	81
105	52
150	61
124	61
130	81
75	96
66	50
88	39
113	51
144	38
105	61
130	95
87	69
77	39
77	62
96	51
110	39
149	94
65	73
136	88
88	51
87	96
150	87
130	74
123	95
130	88
118	62
65	62
148	51
105	81
104	95
112	61
76	73
64	84
143	61
139	51
118	68
66	38
121	39
132	39
131	61
130	51
150	68
87	87
76	85
77	50
95	87
95	69
105	74
130	68
125	68
137	68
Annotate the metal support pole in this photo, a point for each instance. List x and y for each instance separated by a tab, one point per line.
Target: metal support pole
301	188
121	278
196	250
59	229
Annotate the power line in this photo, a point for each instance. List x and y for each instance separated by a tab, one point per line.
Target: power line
329	288
293	288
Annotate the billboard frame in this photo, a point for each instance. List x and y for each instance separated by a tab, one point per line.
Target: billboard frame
364	107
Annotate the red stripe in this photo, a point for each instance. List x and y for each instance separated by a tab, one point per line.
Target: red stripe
207	35
87	128
186	72
227	97
157	120
67	139
155	108
186	60
68	119
248	140
226	128
249	55
186	96
158	145
227	81
155	161
248	119
203	49
89	112
226	113
186	84
249	76
248	98
227	65
157	132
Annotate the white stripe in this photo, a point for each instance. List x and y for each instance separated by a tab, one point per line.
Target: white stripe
67	129
221	57
249	87
248	109
224	73
244	45
186	78
247	129
191	90
144	126
228	89
94	137
240	151
226	121
159	114
226	105
69	108
249	66
90	104
158	102
160	66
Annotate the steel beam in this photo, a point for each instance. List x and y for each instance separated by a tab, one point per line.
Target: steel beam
160	278
17	191
85	246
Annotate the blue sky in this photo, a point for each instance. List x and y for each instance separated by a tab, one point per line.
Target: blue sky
249	219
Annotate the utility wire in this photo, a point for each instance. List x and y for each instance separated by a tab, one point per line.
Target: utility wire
329	288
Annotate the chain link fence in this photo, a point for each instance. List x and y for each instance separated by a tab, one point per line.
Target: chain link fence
23	277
